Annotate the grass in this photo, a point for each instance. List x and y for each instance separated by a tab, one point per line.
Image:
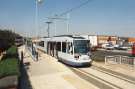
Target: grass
9	66
12	51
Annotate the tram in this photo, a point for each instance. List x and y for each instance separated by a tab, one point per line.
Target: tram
72	50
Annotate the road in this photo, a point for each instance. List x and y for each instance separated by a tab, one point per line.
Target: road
100	54
117	51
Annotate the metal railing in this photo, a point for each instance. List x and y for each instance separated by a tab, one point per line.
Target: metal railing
32	54
119	59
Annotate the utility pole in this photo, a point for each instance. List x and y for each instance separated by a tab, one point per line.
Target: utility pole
55	18
68	17
48	29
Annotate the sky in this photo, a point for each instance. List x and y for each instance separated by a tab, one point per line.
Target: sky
98	17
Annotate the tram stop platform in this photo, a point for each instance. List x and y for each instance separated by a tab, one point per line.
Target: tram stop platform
47	73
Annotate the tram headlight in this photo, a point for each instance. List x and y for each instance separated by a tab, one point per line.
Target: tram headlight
76	56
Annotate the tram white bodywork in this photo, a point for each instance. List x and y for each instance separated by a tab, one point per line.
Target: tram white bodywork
68	49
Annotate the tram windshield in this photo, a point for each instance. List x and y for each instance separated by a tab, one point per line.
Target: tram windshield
81	46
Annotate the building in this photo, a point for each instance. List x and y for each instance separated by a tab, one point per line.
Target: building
103	39
131	40
122	41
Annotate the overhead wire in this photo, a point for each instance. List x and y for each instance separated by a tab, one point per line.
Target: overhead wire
68	11
75	8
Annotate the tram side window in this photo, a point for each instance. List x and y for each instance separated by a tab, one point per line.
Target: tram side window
58	46
41	43
64	47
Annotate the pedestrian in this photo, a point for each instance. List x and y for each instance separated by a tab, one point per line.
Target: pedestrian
21	57
35	52
36	55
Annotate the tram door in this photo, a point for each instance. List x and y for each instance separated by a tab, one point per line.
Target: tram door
55	49
51	48
48	48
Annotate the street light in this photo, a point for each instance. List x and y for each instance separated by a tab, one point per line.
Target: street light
36	14
36	17
39	1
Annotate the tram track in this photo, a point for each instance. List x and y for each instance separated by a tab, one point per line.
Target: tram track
115	74
95	80
101	82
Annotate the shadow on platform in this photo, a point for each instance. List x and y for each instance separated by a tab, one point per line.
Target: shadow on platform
24	82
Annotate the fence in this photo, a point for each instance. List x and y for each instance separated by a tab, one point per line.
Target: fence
119	59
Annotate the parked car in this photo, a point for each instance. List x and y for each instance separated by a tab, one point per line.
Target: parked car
104	45
109	47
120	47
123	48
116	46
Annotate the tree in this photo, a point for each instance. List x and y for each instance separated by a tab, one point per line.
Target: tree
7	38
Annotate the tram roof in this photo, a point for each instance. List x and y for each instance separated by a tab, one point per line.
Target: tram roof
43	39
71	36
64	38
